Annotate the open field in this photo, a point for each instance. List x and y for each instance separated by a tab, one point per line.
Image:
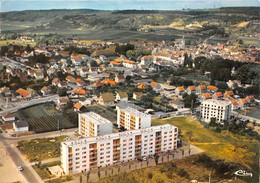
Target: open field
41	148
182	170
44	117
223	145
23	43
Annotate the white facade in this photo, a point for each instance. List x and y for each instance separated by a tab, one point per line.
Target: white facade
92	124
131	118
211	108
91	152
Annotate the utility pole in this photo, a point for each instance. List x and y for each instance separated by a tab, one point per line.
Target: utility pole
209	177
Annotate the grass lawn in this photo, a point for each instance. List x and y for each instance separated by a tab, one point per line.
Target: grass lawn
41	148
223	145
183	170
45	174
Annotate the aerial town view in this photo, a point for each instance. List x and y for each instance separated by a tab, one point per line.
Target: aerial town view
129	91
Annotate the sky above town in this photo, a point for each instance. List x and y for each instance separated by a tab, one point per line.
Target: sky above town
19	5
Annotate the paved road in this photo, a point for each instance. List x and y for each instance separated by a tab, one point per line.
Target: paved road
27	103
243	116
27	172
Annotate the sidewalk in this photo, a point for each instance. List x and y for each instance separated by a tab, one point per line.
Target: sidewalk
135	164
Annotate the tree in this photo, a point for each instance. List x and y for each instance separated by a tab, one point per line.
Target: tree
212	122
93	63
88	173
189	134
99	174
62	92
80	179
190	101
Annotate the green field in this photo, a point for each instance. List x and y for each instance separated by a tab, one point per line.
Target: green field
41	148
224	145
44	118
23	43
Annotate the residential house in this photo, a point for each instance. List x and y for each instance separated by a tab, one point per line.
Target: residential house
6	91
62	101
93	70
142	86
21	126
30	72
45	90
55	81
212	88
191	89
97	84
147	60
76	60
62	84
201	89
38	75
108	81
251	99
235	104
156	86
206	96
130	64
70	79
80	91
96	77
83	71
51	71
23	93
85	101
106	99
119	78
80	82
77	106
179	91
7	117
177	104
244	102
121	96
229	93
217	95
137	95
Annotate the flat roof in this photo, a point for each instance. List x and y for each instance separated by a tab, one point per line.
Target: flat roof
216	102
95	118
134	112
88	140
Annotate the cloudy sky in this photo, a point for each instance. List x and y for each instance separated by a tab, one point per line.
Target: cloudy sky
18	5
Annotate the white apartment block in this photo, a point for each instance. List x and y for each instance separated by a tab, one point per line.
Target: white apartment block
92	152
131	118
92	124
211	108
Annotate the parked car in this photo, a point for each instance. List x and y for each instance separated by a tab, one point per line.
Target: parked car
20	168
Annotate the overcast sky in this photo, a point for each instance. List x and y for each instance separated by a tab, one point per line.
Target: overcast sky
18	5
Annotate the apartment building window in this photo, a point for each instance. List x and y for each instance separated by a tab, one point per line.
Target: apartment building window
77	149
84	161
108	144
124	140
83	165
101	145
77	163
108	156
151	143
84	157
70	169
77	158
124	149
84	152
130	151
101	157
83	148
165	132
77	154
108	148
77	167
151	135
